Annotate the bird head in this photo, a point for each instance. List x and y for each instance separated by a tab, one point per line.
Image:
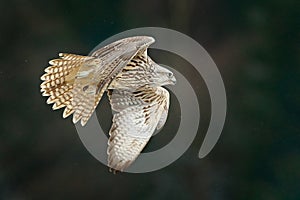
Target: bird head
165	76
162	76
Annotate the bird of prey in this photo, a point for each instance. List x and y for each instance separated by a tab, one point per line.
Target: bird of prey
133	83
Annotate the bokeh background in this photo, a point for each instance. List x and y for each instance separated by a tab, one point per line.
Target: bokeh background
254	43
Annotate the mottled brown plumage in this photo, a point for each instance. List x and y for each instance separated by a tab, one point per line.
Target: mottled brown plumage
134	83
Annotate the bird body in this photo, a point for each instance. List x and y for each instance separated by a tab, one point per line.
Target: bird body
133	83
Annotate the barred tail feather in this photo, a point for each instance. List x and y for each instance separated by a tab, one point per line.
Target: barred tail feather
59	79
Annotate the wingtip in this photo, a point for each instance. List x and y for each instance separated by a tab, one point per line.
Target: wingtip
152	39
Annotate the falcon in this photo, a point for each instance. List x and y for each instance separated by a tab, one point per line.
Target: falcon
133	83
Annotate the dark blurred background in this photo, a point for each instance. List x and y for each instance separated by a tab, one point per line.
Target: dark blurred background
254	43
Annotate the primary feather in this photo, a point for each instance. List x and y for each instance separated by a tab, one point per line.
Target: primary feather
138	114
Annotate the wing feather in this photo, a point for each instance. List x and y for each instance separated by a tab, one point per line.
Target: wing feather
95	75
138	114
164	115
78	82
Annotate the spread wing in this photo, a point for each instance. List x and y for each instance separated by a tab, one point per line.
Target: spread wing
78	82
138	114
95	75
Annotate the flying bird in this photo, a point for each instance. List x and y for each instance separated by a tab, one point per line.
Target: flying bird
133	82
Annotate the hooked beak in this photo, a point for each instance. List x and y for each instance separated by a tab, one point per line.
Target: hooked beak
173	80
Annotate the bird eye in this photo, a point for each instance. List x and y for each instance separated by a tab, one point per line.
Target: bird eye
170	74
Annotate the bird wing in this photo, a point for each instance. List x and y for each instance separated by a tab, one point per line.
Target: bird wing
137	115
95	75
78	82
164	115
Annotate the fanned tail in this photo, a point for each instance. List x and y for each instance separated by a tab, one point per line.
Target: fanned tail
59	79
